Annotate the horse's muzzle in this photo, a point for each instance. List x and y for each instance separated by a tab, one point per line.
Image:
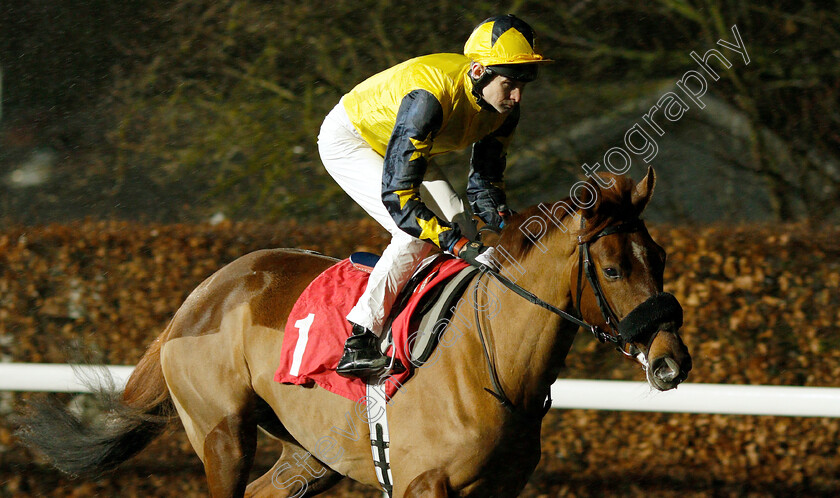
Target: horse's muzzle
669	361
655	323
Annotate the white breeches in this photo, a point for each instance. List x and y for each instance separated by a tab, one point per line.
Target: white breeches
357	168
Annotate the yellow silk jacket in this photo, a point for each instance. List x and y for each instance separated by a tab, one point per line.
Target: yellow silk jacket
424	107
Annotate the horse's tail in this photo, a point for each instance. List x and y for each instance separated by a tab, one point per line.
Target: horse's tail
90	446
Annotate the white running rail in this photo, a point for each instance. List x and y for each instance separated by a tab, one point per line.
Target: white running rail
727	399
55	377
566	393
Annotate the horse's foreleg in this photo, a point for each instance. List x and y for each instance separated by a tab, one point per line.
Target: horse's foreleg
432	483
296	473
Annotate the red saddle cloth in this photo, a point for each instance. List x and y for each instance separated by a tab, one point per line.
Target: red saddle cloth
317	328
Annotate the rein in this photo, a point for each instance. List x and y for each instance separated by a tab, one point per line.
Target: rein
586	266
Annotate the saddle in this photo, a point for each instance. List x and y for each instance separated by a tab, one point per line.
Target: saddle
317	327
431	306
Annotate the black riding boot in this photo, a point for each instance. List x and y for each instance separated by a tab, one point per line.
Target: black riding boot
361	356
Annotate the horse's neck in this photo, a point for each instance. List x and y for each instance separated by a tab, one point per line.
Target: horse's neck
529	342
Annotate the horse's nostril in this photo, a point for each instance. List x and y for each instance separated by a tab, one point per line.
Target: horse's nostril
667	369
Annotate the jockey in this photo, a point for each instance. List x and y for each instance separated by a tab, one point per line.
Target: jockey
377	144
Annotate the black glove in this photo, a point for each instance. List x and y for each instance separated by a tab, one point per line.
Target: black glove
478	255
498	219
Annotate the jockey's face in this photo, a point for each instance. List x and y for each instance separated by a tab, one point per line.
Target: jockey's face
502	92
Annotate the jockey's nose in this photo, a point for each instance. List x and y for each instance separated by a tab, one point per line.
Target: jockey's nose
516	95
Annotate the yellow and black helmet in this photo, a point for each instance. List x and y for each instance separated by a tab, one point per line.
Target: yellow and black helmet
506	45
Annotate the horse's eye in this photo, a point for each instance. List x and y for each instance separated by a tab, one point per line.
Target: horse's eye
611	273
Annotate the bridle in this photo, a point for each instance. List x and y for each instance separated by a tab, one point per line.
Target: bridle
621	332
587	267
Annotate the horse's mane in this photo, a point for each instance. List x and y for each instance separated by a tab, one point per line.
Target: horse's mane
613	205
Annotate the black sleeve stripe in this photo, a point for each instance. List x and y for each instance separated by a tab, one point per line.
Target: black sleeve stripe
419	119
485	186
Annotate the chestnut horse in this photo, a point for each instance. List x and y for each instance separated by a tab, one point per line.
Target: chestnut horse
449	435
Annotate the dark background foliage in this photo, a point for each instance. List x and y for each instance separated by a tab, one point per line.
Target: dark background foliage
215	106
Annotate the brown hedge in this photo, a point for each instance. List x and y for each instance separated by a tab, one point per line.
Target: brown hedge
761	307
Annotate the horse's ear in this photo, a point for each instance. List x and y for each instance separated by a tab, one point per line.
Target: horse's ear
643	191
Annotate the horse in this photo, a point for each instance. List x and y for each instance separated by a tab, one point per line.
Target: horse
450	433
